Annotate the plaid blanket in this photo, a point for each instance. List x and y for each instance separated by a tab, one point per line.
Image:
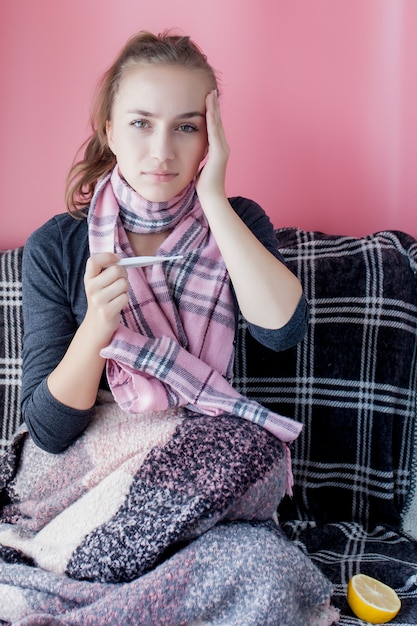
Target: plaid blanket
342	549
11	331
154	506
353	384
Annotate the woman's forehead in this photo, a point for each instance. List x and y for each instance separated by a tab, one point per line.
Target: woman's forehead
165	85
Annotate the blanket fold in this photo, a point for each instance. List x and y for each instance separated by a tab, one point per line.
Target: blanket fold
214	580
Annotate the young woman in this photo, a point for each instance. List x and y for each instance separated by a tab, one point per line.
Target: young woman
150	487
157	128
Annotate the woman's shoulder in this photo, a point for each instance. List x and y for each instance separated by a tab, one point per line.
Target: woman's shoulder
58	228
255	218
251	212
245	206
61	232
62	239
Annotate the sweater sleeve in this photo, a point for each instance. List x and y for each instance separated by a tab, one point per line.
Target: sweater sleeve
294	331
51	315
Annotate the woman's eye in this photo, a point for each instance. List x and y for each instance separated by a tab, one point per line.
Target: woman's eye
187	128
140	124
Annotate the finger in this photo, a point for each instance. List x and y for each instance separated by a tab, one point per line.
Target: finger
215	128
98	280
98	262
213	115
104	268
115	289
103	296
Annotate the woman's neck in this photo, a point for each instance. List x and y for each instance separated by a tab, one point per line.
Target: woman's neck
146	244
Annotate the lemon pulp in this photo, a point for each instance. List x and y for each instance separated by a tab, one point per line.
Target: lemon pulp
372	600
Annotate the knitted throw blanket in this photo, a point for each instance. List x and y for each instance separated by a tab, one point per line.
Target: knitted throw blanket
174	347
153	519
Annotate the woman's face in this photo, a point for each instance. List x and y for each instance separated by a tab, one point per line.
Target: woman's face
157	130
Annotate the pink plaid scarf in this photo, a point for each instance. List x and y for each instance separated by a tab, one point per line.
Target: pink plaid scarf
174	346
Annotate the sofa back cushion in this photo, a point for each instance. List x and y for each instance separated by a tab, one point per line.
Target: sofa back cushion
11	330
351	381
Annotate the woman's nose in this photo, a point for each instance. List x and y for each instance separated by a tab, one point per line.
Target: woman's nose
162	147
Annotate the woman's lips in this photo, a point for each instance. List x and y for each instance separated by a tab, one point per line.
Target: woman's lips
161	177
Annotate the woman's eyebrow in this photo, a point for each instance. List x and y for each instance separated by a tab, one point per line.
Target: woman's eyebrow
191	114
182	116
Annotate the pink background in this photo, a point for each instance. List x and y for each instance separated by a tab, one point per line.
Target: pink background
320	102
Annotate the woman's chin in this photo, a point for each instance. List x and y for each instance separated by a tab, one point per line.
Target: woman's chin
163	192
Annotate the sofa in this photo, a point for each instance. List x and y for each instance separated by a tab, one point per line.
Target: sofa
352	383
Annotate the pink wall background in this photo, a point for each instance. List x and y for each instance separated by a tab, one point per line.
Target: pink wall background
320	102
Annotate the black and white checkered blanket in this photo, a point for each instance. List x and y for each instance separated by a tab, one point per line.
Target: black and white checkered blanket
352	382
11	331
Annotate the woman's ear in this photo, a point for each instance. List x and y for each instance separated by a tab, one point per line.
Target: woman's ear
109	134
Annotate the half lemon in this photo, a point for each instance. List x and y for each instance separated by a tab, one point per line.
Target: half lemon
371	600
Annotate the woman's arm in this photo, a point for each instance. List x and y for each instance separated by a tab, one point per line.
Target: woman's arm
260	225
62	336
267	292
81	367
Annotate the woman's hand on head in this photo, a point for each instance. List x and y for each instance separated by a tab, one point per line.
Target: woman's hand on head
211	179
107	291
